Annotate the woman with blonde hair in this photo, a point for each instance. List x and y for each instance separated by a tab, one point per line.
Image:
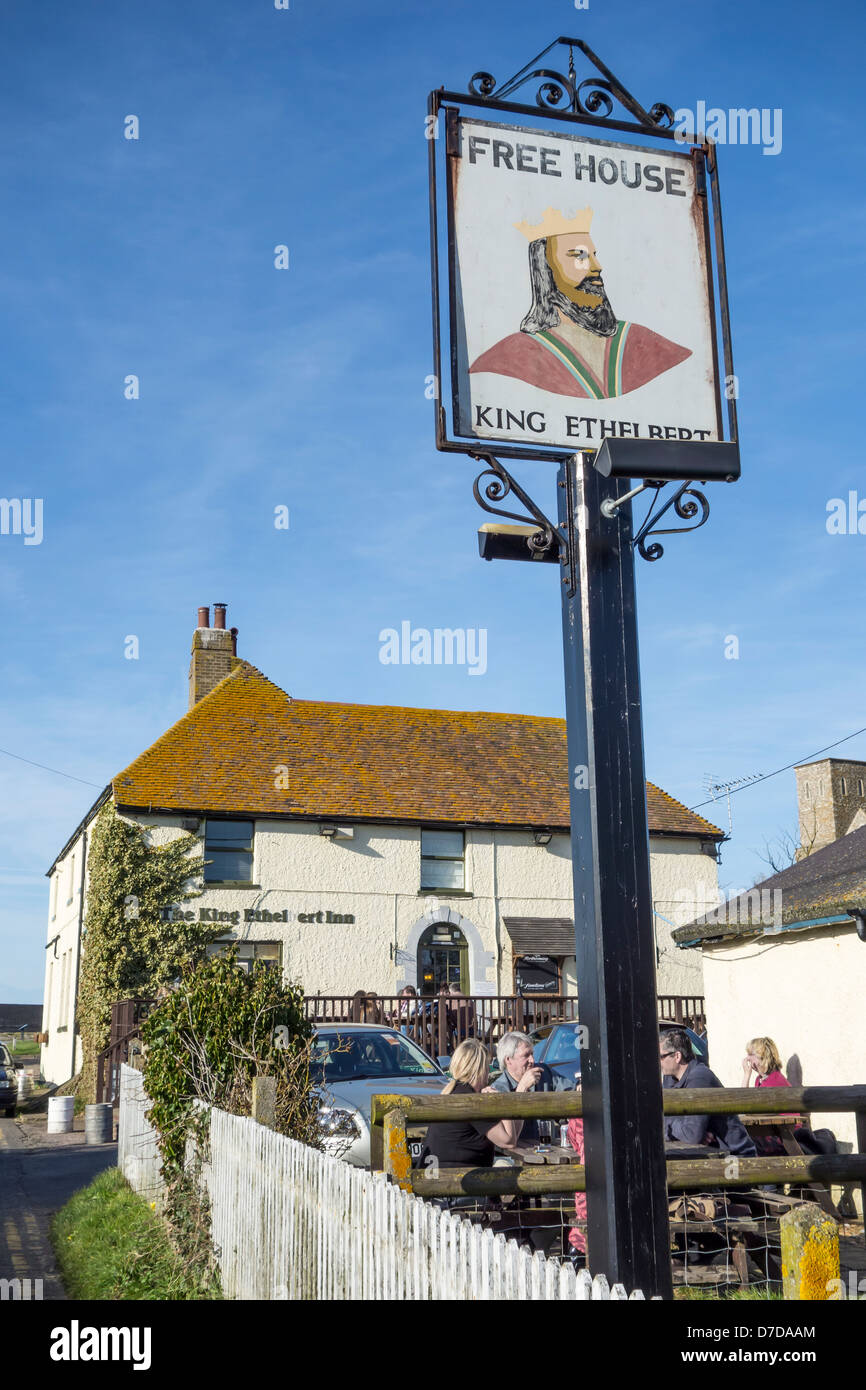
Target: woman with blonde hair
762	1058
471	1142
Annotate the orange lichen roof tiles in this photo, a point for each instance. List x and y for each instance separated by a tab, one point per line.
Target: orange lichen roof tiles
248	748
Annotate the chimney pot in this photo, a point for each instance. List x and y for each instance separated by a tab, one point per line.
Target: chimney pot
234	637
211	655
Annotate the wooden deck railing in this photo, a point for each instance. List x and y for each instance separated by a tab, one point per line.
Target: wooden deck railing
438	1023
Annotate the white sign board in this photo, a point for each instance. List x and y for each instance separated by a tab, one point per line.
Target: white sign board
580	307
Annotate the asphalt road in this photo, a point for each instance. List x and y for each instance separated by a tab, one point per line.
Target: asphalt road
37	1178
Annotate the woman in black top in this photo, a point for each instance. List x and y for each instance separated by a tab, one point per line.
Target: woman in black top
470	1143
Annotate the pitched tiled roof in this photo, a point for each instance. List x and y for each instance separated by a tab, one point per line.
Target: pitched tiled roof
825	884
232	750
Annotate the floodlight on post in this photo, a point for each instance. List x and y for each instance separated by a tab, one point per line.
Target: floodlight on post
858	915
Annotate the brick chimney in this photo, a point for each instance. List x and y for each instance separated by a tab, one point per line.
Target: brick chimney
213	649
831	798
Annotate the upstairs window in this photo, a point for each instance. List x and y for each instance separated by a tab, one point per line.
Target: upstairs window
844	787
442	859
229	846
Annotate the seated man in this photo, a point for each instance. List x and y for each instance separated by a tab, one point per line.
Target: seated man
514	1051
681	1069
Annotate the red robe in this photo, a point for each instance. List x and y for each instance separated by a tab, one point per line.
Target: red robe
633	356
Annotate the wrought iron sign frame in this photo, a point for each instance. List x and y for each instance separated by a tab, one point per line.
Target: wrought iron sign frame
588	103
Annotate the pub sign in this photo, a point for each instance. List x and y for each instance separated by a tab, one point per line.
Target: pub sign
581	305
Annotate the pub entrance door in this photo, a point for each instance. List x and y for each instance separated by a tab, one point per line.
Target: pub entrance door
443	959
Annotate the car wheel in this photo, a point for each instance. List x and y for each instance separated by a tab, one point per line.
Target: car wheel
9	1112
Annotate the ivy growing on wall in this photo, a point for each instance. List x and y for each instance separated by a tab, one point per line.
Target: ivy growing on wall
129	950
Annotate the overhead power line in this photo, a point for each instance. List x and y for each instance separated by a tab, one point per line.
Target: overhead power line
786	768
56	771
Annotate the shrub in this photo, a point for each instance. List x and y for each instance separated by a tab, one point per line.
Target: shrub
205	1042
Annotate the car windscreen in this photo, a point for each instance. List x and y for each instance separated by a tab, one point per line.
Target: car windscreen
563	1045
699	1045
365	1055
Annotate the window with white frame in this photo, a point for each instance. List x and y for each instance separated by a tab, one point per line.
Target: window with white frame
442	859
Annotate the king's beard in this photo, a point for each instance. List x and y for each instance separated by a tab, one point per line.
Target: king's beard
595	318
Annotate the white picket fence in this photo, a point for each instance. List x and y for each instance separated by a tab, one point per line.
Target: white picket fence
289	1222
137	1154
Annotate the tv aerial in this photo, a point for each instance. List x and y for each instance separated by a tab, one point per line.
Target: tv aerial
715	787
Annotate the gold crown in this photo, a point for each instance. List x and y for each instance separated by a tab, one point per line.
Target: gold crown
555	223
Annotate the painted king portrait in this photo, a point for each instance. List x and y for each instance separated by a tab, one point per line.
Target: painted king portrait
571	341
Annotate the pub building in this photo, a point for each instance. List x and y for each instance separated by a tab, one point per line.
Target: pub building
369	846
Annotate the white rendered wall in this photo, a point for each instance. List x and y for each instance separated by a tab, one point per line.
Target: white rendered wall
806	991
375	877
61	960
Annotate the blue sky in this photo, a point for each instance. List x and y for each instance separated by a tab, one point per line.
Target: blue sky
306	388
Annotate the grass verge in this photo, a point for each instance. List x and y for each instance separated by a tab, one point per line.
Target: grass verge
110	1244
21	1048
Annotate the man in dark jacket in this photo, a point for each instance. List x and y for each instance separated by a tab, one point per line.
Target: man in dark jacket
681	1069
514	1052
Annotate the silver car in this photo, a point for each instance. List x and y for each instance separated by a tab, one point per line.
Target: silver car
351	1063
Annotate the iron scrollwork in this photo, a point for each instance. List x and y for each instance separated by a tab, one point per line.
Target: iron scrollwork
686	502
554	87
594	96
499	486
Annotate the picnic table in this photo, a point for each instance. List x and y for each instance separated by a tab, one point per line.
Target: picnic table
540	1154
782	1127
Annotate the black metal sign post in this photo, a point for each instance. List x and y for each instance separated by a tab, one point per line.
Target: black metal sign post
594	543
627	1216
